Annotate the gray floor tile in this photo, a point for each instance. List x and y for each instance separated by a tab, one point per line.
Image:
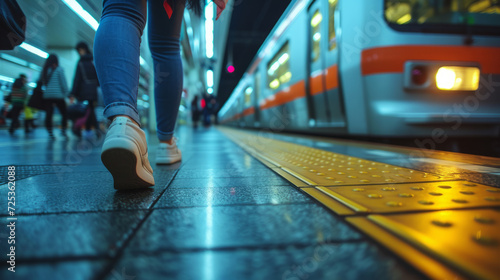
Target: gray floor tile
248	195
220	173
81	192
344	261
221	182
238	226
70	235
74	270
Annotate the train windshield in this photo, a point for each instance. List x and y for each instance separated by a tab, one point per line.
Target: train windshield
480	17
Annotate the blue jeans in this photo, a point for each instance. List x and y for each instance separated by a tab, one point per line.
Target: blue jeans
116	54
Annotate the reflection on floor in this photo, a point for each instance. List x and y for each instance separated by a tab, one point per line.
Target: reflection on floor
220	214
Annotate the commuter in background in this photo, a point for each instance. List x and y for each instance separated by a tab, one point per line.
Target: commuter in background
29	119
195	111
85	87
117	57
18	97
56	90
208	109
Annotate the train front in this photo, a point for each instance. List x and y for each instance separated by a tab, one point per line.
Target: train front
421	67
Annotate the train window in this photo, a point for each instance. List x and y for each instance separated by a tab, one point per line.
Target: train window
316	36
331	24
278	69
443	14
248	96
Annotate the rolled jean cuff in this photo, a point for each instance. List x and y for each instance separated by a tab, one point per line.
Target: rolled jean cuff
164	136
121	108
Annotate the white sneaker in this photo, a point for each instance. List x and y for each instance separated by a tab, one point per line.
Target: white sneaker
168	154
125	155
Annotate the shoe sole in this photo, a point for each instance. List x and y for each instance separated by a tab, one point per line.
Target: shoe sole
167	161
128	172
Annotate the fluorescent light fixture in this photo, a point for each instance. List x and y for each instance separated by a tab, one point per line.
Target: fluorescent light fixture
35	67
82	13
14	59
317	18
210	78
283	58
210	90
317	36
404	19
32	84
209	29
249	91
34	50
6	79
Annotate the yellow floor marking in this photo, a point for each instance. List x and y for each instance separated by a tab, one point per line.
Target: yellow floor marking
318	167
416	196
468	240
426	264
450	244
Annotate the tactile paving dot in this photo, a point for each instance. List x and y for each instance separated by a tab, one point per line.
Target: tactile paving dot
468	240
429	196
345	169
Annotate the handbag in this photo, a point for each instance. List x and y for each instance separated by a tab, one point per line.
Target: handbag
76	111
12	25
36	100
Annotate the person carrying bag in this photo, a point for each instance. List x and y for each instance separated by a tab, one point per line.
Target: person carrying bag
85	90
55	92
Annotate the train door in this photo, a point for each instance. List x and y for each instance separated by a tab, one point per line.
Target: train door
319	114
256	97
332	79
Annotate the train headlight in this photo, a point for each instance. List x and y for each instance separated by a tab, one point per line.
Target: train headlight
458	78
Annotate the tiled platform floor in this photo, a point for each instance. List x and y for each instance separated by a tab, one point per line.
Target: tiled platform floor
220	214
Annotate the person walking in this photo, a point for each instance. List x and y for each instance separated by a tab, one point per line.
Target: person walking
117	51
29	119
195	110
85	86
56	90
18	96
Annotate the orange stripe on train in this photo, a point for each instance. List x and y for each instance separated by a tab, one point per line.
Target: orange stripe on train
392	59
288	94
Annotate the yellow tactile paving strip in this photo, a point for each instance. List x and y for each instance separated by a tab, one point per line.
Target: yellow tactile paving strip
392	198
413	152
320	168
448	229
466	240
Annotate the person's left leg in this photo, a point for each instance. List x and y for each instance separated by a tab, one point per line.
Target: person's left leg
164	43
61	106
16	111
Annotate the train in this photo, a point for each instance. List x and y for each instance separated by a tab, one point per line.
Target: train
375	68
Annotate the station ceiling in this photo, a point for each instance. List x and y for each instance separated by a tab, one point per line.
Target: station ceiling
251	23
54	26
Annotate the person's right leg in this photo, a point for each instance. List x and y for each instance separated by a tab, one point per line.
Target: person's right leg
61	106
91	121
49	111
16	111
116	55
